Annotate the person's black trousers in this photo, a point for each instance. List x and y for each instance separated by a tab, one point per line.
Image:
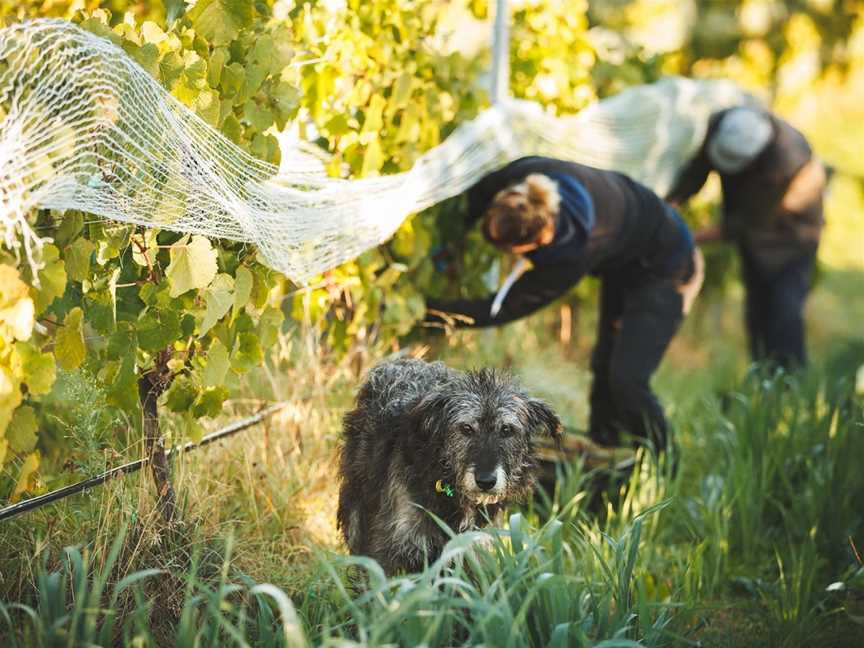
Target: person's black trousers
774	309
639	315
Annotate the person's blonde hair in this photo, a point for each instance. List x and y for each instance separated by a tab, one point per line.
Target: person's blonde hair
519	213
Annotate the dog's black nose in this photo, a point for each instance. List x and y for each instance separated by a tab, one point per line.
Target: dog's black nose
486	481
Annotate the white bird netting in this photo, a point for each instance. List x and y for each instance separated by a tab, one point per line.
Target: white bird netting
82	126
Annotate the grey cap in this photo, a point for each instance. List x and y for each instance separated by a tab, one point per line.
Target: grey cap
743	133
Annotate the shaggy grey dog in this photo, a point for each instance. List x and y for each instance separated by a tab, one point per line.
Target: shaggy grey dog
424	436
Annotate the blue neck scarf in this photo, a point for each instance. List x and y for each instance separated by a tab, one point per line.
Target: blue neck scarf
575	222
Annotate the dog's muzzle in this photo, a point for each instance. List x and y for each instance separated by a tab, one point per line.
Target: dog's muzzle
486	481
485	487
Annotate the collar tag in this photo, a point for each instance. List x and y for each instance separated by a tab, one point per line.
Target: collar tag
441	487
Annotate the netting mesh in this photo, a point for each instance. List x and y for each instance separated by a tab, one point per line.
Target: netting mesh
82	126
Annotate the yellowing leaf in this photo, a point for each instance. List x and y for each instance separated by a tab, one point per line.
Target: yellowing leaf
403	240
69	347
192	266
16	308
21	432
12	289
38	369
18	319
52	280
10	395
7	382
26	479
373	158
401	91
374	121
152	33
4	445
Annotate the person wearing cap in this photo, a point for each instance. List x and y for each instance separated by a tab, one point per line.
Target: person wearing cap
571	220
772	211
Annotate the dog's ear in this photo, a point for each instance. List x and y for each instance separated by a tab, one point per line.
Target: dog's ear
428	413
540	415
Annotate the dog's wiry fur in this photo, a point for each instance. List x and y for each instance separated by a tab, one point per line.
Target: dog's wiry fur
416	423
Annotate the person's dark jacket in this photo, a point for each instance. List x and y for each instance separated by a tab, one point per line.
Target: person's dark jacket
631	225
754	214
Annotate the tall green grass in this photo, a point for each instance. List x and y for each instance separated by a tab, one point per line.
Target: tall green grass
507	587
79	606
756	520
769	497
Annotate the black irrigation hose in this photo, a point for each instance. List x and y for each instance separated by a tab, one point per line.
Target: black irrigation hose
66	491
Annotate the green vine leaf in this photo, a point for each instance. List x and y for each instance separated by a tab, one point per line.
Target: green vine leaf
192	429
217	365
78	259
243	282
123	389
157	329
220	21
247	352
219	299
269	325
22	430
181	394
209	402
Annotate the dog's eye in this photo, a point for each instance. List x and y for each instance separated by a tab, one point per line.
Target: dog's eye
507	430
466	429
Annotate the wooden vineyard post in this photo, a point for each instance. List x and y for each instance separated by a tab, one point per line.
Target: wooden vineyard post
501	53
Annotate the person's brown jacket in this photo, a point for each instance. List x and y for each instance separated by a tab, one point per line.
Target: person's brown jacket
772	208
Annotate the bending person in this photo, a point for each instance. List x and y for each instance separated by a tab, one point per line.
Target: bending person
570	220
772	211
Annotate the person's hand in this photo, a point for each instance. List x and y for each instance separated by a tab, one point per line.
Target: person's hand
710	234
806	188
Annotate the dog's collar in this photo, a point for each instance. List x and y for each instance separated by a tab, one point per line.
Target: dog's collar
442	487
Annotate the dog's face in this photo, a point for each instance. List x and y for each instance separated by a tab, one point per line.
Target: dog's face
483	424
